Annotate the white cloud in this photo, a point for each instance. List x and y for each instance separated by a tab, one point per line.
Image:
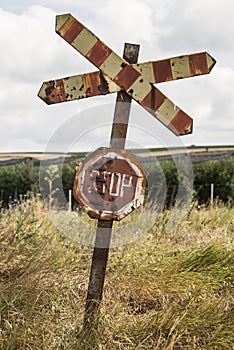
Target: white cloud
200	26
134	18
32	52
22	42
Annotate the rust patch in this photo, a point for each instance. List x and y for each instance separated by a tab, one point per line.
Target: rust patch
94	84
198	64
162	71
70	30
153	100
181	124
131	51
109	186
98	53
103	87
55	91
90	84
126	77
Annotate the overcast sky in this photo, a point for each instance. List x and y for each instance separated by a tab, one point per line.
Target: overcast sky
31	52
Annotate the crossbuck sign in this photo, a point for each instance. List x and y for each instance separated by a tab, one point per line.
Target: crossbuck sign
116	74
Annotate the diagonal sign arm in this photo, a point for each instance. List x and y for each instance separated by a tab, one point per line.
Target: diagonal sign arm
179	67
89	45
76	87
123	74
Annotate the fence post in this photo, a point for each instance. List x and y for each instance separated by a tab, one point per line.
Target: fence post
70	200
212	194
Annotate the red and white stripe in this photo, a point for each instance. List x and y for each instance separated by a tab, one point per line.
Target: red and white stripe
176	67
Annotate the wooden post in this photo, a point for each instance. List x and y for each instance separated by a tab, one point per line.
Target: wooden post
104	227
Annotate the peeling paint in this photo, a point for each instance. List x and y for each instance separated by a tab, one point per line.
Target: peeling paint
109	184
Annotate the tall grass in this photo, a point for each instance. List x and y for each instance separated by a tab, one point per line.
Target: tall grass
166	291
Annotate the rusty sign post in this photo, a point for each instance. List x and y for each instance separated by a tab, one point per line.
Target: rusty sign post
104	228
110	183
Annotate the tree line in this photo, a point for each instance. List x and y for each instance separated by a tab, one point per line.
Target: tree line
19	180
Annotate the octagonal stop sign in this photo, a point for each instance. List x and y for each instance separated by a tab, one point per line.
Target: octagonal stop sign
109	184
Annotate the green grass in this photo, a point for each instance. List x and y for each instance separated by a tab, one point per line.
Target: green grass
166	291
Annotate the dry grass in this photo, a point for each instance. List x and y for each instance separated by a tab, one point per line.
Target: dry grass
166	291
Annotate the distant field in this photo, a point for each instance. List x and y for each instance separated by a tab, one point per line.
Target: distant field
141	152
190	150
39	156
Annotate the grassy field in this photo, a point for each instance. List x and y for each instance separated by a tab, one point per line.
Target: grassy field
165	291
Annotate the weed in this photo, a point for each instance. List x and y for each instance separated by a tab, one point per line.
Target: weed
166	291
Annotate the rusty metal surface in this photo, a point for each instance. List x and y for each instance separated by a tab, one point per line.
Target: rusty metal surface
135	79
131	52
69	28
109	184
76	87
95	83
179	67
123	104
123	74
97	274
103	234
